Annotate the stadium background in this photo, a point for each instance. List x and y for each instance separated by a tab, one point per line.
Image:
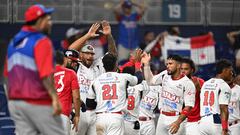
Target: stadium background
193	17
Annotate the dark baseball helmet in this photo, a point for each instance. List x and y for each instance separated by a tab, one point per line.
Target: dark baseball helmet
72	54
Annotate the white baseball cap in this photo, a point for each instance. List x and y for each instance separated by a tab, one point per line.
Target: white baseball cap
88	48
71	32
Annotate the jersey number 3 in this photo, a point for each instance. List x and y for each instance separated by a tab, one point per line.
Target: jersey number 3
109	92
59	82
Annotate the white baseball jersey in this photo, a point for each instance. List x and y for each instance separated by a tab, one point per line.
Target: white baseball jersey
214	92
150	101
133	101
175	92
109	90
87	75
234	105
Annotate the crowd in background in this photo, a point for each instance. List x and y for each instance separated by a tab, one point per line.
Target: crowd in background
91	45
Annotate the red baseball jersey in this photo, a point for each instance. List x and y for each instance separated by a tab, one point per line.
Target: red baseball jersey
65	82
194	114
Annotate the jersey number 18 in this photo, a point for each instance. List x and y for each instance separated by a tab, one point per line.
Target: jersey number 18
208	98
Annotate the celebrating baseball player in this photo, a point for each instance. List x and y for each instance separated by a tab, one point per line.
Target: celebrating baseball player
88	70
177	89
109	91
148	104
131	123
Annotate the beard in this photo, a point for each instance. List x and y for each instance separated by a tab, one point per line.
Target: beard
171	72
87	63
69	66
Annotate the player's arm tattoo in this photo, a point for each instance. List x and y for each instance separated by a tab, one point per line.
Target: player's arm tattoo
111	45
48	83
78	44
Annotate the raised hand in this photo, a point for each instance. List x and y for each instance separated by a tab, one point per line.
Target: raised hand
138	55
145	58
106	27
92	31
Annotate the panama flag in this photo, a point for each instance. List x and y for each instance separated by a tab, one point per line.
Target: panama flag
201	49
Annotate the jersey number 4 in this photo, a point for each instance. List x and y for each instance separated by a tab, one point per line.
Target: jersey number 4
109	92
208	98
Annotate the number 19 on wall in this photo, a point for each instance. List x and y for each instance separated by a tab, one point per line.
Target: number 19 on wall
174	11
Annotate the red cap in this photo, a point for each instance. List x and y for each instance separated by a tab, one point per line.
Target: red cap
36	11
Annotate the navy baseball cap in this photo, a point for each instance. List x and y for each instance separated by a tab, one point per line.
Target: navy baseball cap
127	4
36	11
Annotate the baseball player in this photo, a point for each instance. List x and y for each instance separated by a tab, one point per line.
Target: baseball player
214	100
177	89
234	108
131	123
148	104
72	61
67	88
109	91
88	70
188	68
30	67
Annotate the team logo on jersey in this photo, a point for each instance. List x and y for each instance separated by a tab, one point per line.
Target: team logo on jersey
189	93
212	81
129	24
148	103
179	86
149	100
230	110
84	81
109	105
171	104
227	95
170	96
207	110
